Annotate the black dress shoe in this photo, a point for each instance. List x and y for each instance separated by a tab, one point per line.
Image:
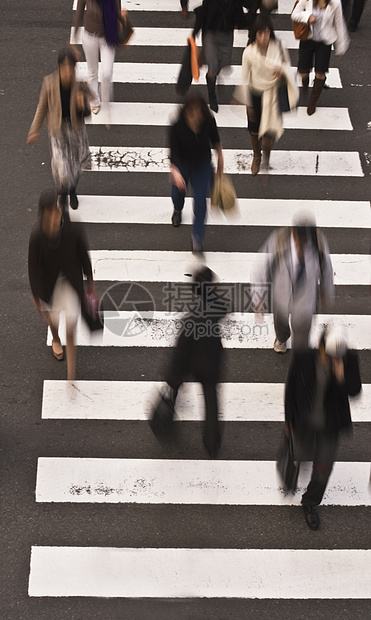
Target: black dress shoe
213	447
74	202
176	218
311	517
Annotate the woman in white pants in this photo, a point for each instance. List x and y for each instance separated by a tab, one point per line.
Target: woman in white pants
100	36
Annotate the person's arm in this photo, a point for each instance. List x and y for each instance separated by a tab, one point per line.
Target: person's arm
342	38
40	114
352	376
300	14
200	12
175	174
83	253
215	141
326	286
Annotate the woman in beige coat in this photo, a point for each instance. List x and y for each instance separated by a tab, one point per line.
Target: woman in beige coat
265	64
64	102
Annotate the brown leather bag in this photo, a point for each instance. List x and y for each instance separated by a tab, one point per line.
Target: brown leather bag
301	30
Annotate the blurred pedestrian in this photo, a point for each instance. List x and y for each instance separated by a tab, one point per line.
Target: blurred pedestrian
265	66
217	19
297	267
198	352
57	259
190	162
317	409
326	29
100	37
184	8
64	102
356	14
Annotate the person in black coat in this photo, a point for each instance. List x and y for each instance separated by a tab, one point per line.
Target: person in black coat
317	408
57	259
217	19
198	352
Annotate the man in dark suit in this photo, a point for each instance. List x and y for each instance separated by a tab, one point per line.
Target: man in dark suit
317	408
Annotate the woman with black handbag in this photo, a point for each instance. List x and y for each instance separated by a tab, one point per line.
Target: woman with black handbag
265	66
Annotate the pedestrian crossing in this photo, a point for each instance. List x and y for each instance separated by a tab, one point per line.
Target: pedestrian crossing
202	570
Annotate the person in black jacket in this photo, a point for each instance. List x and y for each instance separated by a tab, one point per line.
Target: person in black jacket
317	408
57	258
218	19
190	161
198	352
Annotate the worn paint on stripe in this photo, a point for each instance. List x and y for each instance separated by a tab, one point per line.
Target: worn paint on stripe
161	329
167	73
177	37
171	266
132	400
163	114
180	481
252	211
236	161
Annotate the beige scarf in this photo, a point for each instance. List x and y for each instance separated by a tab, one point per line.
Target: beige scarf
259	73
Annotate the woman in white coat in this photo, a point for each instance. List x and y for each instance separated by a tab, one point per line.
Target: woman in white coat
265	63
326	28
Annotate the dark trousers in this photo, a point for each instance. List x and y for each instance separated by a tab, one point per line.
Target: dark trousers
200	176
357	10
300	326
200	358
324	457
184	4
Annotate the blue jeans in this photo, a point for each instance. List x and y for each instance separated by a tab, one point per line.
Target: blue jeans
200	175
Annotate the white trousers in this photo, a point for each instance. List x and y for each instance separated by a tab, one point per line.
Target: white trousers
92	45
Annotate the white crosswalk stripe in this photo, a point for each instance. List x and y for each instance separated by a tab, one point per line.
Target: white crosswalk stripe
166	73
238	331
157	481
177	37
184	573
236	161
120	400
252	211
167	570
162	114
166	266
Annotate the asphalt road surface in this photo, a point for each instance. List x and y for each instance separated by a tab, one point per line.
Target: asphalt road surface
98	519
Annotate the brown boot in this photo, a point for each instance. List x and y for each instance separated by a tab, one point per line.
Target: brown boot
256	147
316	91
267	144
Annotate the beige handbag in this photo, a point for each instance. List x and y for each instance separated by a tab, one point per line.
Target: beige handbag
223	194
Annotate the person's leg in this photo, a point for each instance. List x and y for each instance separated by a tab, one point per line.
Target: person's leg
253	122
211	435
324	458
107	56
90	44
322	53
305	62
357	10
178	196
267	143
283	331
301	324
71	352
211	58
200	178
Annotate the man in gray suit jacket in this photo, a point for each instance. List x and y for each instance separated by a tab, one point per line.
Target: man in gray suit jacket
298	267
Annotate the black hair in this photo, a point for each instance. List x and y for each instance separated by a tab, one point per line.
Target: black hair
262	22
66	54
47	201
195	100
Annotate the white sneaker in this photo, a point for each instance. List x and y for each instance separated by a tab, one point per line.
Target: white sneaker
279	347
